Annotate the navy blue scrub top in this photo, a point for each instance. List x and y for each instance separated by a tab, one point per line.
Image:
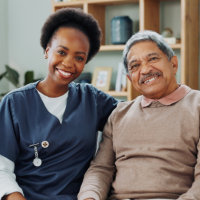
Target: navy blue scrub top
24	120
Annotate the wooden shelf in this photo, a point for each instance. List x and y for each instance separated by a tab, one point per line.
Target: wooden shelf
111	2
95	2
117	94
176	46
111	47
121	47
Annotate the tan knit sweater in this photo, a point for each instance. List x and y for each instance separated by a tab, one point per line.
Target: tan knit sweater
151	152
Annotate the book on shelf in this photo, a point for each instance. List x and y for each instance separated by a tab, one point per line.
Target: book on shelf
120	84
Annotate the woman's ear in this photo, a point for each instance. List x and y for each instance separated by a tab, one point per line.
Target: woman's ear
46	53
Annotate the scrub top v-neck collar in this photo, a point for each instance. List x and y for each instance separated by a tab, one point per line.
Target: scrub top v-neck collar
44	108
55	105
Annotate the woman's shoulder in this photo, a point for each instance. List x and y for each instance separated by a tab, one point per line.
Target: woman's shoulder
89	92
85	88
21	91
82	86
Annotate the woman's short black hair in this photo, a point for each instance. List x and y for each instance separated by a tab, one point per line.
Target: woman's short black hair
76	18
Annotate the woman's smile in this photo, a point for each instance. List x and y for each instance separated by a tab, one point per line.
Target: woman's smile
64	74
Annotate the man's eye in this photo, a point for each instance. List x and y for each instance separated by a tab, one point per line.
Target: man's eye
133	67
153	58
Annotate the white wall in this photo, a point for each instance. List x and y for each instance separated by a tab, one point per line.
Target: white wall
25	19
3	43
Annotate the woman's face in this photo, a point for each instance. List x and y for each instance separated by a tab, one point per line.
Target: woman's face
67	54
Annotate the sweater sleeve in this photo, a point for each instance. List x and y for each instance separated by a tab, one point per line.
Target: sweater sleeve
194	192
98	178
8	183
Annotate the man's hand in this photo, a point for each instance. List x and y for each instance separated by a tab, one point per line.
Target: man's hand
14	196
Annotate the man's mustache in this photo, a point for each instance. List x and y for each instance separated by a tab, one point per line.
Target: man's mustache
151	74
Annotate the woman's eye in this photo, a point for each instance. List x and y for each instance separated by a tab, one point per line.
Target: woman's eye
79	58
62	53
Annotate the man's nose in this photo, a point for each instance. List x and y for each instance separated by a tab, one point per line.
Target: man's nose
145	68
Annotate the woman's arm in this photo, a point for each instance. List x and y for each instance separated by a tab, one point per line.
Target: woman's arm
99	176
8	182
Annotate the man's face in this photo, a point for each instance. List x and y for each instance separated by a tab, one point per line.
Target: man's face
150	71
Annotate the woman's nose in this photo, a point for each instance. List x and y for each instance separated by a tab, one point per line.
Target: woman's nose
68	61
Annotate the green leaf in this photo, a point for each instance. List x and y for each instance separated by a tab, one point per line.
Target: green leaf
12	75
2	75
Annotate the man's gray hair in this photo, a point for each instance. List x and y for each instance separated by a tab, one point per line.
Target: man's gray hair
147	36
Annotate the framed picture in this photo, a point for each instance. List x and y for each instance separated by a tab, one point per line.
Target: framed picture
102	77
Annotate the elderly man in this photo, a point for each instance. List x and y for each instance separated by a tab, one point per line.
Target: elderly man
150	147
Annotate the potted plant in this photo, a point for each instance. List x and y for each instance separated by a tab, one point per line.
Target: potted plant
11	75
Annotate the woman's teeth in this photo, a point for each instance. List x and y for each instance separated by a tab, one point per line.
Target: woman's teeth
64	73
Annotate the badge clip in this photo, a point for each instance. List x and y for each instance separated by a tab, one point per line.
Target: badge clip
36	161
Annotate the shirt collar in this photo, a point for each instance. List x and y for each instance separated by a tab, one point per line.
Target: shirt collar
175	96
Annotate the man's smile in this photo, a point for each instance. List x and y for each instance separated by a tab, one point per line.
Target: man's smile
148	78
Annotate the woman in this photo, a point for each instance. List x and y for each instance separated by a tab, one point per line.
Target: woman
49	128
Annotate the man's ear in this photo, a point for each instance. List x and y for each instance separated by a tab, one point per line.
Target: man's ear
128	76
174	61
